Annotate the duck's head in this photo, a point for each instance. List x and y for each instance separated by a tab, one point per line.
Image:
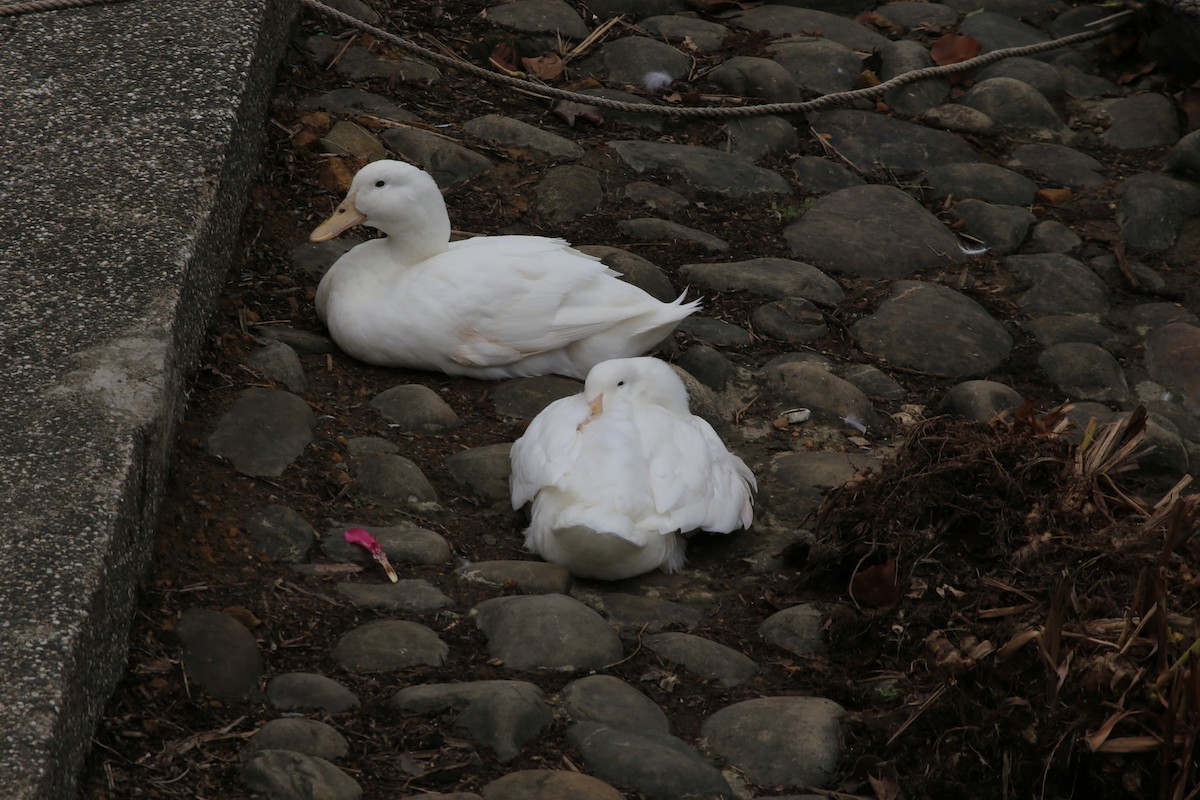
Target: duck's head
642	381
395	197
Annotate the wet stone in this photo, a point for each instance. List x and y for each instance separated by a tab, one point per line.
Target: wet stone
1059	328
795	482
826	395
1173	359
356	101
403	545
955	117
1150	213
980	400
703	169
539	16
407	594
309	690
934	329
219	654
795	321
1050	236
414	407
905	237
299	735
658	765
708	366
872	382
549	631
1000	228
796	629
652	229
286	775
750	76
281	533
363	446
779	741
313	259
395	479
1015	105
522	399
980	182
347	139
1060	285
1141	121
634	269
527	577
918	15
783	20
703	657
539	784
613	702
1041	76
919	96
997	31
568	191
1149	316
501	715
761	137
655	198
1085	372
450	164
629	59
714	331
512	133
704	36
1059	165
818	175
388	645
817	65
1184	158
278	362
301	341
483	470
263	432
632	119
878	143
776	278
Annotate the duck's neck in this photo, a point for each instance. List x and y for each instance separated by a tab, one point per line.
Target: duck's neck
419	235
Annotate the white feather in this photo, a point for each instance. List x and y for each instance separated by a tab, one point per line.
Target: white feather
612	492
488	307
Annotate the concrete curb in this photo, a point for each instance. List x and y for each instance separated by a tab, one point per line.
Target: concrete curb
131	133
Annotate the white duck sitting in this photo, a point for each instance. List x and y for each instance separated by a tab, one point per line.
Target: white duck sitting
488	307
618	472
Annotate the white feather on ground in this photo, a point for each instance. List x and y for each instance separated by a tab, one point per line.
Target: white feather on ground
487	307
616	473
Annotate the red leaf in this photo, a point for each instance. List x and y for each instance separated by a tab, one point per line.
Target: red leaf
547	67
504	58
876	586
953	48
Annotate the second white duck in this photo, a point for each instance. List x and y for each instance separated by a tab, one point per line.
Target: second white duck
488	307
617	472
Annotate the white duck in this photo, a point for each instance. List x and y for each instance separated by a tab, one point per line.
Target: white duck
488	307
617	472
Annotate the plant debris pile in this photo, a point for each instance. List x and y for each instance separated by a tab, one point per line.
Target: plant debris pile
1043	609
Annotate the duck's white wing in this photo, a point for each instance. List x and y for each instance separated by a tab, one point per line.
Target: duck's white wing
696	482
533	295
544	454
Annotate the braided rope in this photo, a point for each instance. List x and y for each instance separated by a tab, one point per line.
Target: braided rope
551	93
34	6
837	98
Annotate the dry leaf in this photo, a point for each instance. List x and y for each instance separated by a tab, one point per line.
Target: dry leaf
954	48
876	586
547	67
504	58
1055	196
570	111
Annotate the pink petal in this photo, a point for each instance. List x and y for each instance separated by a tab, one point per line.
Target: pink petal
363	538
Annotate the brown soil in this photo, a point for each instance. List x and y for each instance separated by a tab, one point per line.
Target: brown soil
993	533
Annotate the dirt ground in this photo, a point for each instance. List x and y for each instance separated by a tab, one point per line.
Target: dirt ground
1019	630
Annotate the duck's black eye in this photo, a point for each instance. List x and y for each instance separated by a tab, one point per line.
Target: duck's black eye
380	184
620	383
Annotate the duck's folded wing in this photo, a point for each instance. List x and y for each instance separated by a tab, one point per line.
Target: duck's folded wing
545	453
533	295
697	483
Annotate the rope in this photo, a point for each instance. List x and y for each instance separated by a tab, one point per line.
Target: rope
837	98
32	6
551	93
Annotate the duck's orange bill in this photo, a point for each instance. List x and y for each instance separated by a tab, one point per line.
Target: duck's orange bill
346	217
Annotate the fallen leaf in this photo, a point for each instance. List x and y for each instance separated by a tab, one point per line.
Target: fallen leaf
547	67
504	58
570	111
954	48
876	586
1055	196
1188	102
